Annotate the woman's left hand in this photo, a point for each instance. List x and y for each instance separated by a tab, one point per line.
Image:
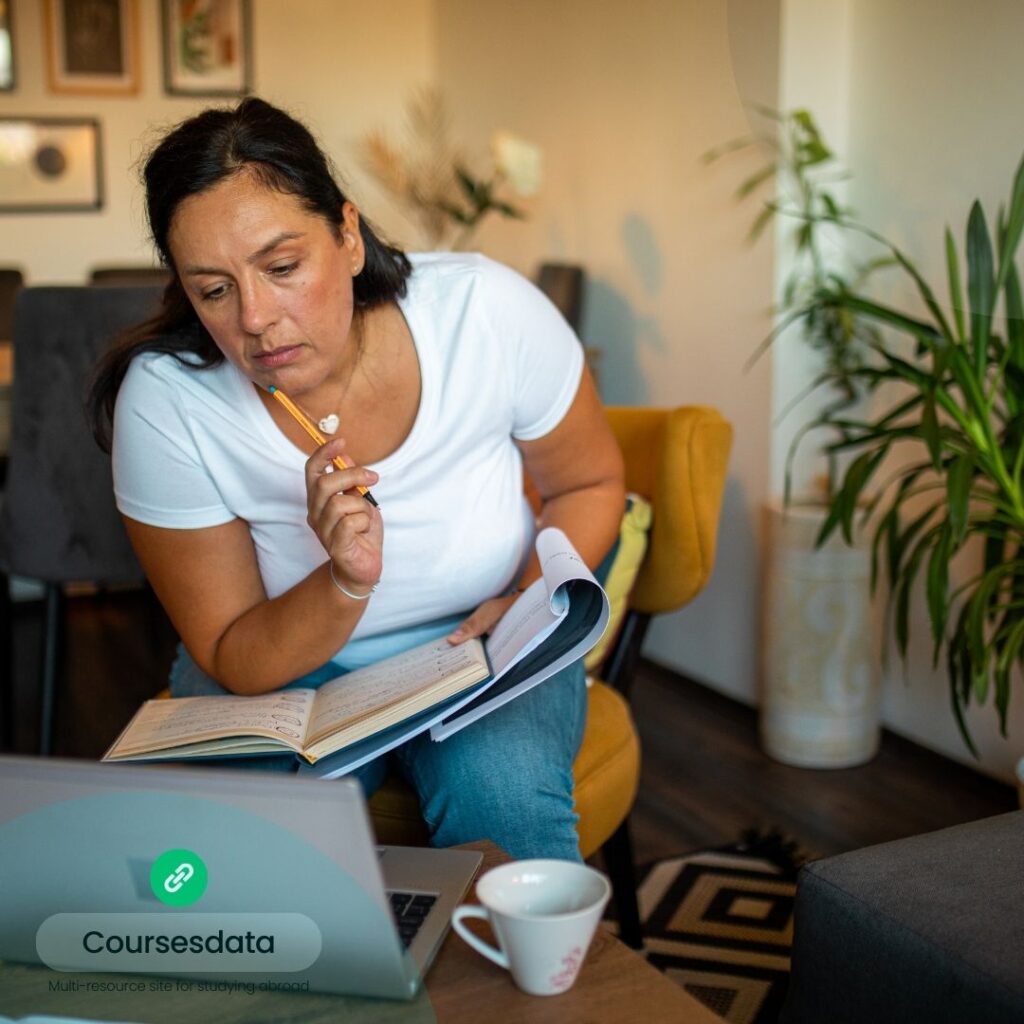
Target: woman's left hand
483	620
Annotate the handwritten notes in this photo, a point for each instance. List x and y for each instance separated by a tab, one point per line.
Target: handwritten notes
166	723
393	700
309	722
391	688
523	627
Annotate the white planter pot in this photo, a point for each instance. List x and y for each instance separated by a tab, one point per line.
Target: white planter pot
821	691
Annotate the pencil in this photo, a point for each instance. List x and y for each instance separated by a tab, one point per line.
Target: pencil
303	421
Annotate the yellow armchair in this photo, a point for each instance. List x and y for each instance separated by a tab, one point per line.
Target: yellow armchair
676	459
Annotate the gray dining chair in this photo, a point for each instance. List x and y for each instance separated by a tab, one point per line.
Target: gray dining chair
123	277
11	281
58	521
563	284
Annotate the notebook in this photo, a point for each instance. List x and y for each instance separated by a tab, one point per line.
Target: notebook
245	878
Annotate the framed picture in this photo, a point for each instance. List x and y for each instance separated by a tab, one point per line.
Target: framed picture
50	165
207	47
92	46
6	46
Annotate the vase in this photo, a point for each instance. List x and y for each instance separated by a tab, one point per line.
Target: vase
821	695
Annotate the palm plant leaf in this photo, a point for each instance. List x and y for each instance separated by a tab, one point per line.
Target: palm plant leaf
956	292
980	284
937	587
758	178
959	492
959	670
1014	227
963	403
960	401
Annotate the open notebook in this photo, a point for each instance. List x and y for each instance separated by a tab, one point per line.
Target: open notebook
360	715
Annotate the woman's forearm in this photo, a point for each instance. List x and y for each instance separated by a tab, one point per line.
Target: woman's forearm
209	582
589	517
283	639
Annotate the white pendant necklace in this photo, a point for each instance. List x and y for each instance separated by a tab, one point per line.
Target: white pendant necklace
329	424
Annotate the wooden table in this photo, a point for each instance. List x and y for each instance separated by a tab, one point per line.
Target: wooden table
615	985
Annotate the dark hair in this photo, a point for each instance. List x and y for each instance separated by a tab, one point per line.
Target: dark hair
192	158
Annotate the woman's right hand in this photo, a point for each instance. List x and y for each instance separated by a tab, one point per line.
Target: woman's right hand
346	524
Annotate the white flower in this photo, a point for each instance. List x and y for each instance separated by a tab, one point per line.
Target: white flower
518	161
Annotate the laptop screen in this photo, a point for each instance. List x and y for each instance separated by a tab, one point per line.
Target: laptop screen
217	876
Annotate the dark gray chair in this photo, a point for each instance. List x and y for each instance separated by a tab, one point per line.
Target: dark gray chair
922	929
563	284
124	277
58	522
10	284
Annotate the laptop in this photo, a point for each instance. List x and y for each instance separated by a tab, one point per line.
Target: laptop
218	875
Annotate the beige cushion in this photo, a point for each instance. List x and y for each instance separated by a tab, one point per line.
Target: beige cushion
617	573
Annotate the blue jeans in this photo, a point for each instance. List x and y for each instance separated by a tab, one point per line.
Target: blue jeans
507	777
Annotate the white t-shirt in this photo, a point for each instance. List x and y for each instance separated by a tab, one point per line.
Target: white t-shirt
196	448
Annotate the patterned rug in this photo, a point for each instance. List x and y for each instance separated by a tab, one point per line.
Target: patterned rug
720	923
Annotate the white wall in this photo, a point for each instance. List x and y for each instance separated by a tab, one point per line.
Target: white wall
814	74
624	99
936	121
921	101
343	66
922	98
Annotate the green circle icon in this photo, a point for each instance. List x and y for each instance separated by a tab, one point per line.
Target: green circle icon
178	878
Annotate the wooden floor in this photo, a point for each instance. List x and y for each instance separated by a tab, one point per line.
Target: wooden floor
704	779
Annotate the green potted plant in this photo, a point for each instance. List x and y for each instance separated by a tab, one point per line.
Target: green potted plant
820	694
950	513
804	168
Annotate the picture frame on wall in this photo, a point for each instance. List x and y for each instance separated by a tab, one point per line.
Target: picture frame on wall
7	66
50	165
207	47
92	46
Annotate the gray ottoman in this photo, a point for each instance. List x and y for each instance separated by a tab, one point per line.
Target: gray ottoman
924	929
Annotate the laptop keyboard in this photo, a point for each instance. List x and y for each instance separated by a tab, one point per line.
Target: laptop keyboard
410	910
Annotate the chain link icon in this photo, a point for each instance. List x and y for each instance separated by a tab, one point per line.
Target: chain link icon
178	877
173	882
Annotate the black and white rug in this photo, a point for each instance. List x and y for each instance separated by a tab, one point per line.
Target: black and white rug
720	923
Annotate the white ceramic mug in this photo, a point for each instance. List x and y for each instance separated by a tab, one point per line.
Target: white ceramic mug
543	913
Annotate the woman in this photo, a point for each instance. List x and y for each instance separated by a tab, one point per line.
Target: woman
445	374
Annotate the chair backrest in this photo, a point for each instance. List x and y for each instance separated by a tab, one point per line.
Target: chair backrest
123	277
58	521
10	284
563	284
676	459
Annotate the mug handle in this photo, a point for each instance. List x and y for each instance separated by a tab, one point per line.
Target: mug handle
483	948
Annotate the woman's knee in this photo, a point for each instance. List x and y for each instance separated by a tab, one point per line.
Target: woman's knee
527	812
507	777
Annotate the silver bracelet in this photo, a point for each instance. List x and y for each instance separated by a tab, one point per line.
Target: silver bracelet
348	593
